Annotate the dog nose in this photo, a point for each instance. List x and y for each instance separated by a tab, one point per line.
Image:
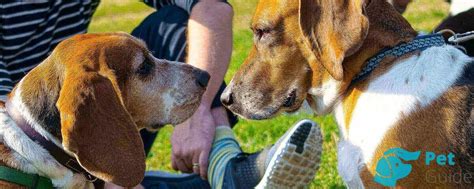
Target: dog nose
227	98
202	77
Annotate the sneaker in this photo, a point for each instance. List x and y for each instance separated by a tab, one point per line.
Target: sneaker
291	163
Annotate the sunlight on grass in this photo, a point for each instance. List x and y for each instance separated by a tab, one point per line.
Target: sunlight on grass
124	15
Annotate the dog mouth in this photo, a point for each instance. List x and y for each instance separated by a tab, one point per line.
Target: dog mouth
289	104
292	103
290	100
182	110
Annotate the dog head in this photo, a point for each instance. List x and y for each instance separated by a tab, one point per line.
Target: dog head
100	89
298	45
154	92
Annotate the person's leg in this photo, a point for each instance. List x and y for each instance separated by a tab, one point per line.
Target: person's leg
291	163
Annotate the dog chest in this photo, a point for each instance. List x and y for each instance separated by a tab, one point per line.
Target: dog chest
410	84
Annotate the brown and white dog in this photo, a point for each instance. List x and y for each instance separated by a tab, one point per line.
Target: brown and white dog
312	49
90	97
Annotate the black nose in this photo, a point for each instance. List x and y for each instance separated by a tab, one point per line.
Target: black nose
202	77
227	98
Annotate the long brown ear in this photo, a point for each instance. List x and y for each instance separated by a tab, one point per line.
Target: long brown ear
333	30
97	128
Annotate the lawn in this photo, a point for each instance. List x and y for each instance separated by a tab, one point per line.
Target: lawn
124	15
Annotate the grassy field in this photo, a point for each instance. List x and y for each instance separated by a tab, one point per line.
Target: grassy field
124	15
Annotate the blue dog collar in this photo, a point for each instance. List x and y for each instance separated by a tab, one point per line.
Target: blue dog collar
419	43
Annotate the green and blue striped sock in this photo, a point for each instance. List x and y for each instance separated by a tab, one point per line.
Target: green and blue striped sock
224	148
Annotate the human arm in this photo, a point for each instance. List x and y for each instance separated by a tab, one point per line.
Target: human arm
209	48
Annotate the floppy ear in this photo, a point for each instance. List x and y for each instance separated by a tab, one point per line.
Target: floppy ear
333	30
97	128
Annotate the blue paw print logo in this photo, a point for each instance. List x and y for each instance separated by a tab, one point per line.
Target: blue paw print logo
390	167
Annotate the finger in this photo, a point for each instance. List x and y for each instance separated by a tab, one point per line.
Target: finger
204	163
188	161
196	161
182	166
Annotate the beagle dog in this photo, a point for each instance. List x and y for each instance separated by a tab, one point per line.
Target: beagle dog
417	100
88	99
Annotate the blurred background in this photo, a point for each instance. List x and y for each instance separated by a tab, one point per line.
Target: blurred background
125	15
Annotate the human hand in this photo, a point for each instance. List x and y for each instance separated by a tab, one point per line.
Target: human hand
191	142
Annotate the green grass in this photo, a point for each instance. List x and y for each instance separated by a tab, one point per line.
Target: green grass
124	15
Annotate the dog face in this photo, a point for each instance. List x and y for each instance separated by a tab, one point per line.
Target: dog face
275	75
155	92
299	46
163	92
105	87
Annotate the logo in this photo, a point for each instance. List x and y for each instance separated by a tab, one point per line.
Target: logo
390	168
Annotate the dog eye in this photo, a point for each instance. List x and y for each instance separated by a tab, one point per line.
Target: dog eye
145	68
261	33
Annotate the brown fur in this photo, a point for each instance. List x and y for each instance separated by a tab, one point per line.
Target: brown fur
89	94
336	39
353	93
303	41
439	128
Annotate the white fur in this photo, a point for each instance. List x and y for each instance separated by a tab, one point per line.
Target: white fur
171	97
20	106
349	164
168	102
339	116
418	80
458	6
325	96
29	156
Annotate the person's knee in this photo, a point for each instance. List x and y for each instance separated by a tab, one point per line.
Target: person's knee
165	16
171	14
164	32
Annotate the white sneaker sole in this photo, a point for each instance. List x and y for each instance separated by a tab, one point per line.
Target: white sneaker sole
296	159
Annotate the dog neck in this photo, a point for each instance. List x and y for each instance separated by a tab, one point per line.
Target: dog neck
34	99
387	29
35	96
